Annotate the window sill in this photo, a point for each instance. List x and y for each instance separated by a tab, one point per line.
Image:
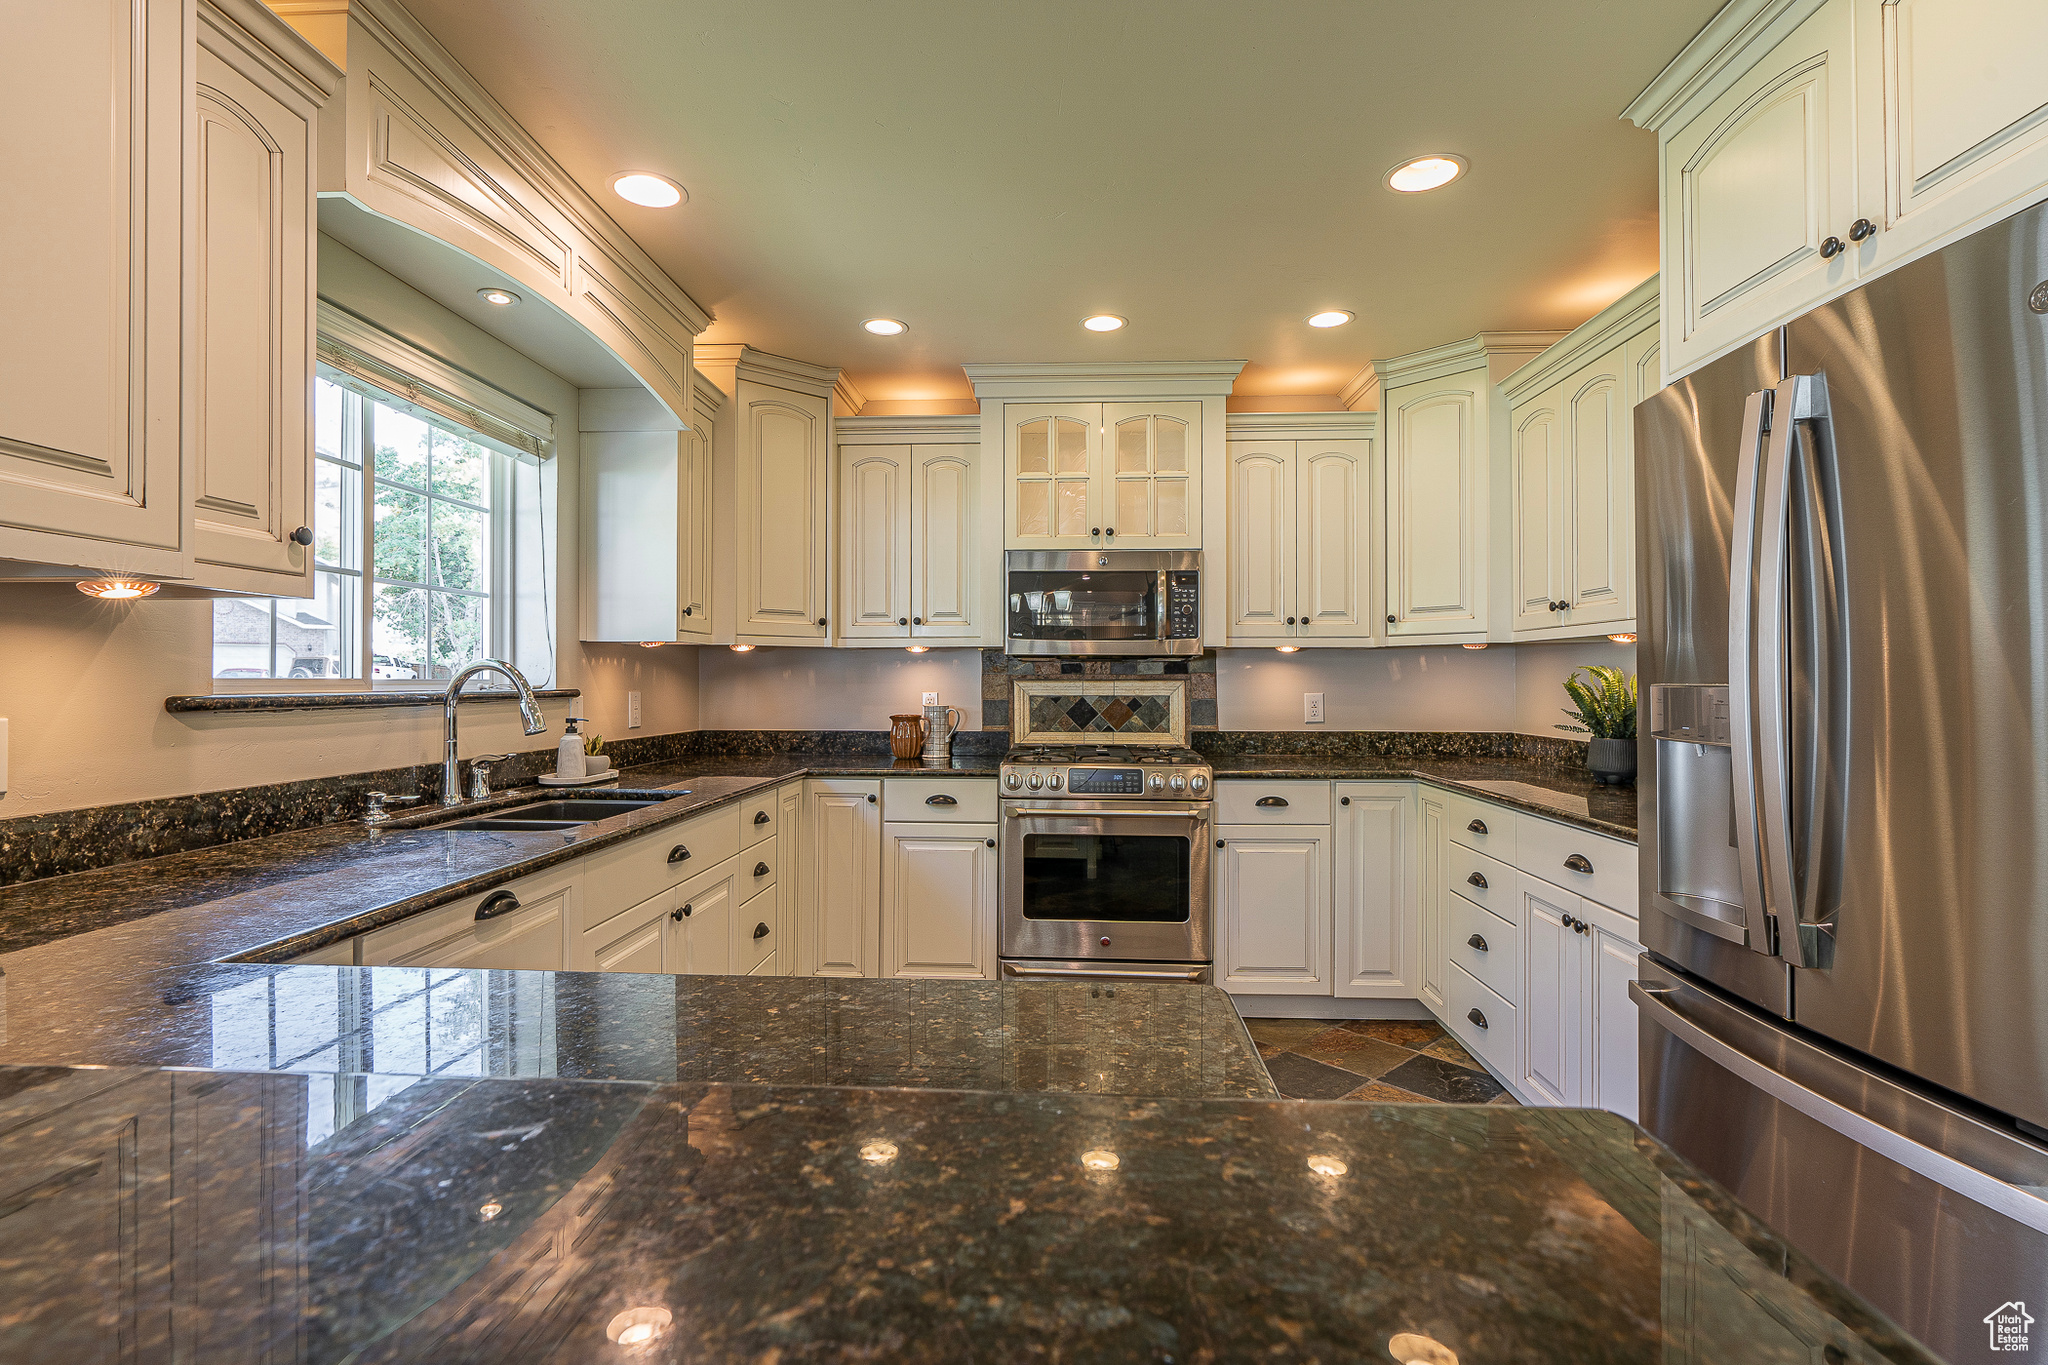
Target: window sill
333	701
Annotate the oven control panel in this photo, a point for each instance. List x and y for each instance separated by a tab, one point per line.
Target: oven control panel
1105	781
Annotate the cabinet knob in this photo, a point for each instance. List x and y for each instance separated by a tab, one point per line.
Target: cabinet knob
1477	879
990	842
760	869
1290	620
760	817
1577	863
871	798
1390	620
761	930
496	904
1831	248
1109	531
1862	230
1477	826
677	915
1095	530
1477	942
821	620
1219	843
688	610
1582	927
1343	800
1476	1017
303	536
684	913
679	854
903	620
917	620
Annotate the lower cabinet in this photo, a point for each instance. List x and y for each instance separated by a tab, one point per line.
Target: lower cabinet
1431	835
842	878
701	928
636	941
939	900
521	926
1273	908
1373	904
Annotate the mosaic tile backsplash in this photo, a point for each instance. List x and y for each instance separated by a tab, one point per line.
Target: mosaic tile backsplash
999	670
1101	713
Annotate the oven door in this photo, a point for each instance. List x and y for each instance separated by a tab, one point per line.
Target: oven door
1119	881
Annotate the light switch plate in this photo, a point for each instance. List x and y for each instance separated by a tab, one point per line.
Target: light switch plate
1312	707
632	710
931	699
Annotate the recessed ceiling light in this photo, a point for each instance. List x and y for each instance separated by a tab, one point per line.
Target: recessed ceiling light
1425	173
886	327
503	298
1336	317
1103	322
648	190
117	589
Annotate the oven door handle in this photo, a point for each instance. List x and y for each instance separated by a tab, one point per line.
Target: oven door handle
1139	973
1148	813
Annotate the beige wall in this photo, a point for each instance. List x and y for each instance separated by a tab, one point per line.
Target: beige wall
831	689
83	682
1367	689
1540	671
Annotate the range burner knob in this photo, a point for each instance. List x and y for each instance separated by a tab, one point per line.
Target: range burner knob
1199	782
1012	781
1053	782
1158	783
1034	782
1177	782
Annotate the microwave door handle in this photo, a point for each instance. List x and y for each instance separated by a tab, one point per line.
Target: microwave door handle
1756	416
1163	618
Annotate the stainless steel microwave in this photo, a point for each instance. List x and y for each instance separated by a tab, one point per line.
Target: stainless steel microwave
1122	602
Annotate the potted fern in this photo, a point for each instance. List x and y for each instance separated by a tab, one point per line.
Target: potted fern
1606	707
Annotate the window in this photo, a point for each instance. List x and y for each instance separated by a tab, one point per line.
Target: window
442	582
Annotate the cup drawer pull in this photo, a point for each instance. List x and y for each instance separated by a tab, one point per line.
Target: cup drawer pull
679	854
940	800
496	904
1577	863
760	817
1478	942
1477	827
761	930
1477	879
760	869
1271	802
1476	1017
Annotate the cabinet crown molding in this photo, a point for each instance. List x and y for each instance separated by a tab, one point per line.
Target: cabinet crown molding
1489	349
1362	392
1609	327
909	428
708	397
1086	380
1301	426
847	398
265	36
1716	57
744	362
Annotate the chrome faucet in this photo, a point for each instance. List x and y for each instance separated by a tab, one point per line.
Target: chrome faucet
451	771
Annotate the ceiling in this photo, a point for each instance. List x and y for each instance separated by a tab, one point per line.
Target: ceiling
991	173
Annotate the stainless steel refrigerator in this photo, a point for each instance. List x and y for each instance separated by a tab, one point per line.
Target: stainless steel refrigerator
1843	559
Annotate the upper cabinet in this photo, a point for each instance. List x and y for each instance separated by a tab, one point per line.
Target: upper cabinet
1571	534
646	506
1447	474
155	419
1302	549
1102	475
422	144
1805	147
913	563
773	449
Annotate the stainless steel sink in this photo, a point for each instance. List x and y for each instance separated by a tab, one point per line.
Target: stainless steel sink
546	815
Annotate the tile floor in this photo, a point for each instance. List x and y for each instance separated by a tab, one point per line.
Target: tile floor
1386	1061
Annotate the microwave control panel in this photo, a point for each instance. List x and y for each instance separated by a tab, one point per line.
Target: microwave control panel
1184	604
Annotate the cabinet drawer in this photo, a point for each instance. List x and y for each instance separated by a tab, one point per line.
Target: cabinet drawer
1492	1043
517	937
759	817
923	800
617	878
762	911
1545	849
1499	963
760	867
1273	803
1465	871
1480	825
768	966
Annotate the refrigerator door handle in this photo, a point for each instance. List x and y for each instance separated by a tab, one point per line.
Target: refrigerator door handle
1742	594
2015	1201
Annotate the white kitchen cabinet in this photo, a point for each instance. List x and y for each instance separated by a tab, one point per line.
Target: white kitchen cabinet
647	515
1432	836
1273	909
1374	903
1301	513
909	564
694	455
1102	475
525	926
634	941
1572	457
1615	1065
840	930
939	900
703	927
797	873
1553	994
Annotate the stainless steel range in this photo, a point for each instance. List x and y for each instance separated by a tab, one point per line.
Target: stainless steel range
1106	863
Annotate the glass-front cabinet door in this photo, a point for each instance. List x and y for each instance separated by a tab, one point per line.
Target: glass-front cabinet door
1052	452
1153	479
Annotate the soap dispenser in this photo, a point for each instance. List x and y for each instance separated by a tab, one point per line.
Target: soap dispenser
569	753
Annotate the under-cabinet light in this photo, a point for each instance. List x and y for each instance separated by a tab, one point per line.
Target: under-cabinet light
502	298
1475	646
743	649
1623	637
652	644
916	649
1288	649
118	589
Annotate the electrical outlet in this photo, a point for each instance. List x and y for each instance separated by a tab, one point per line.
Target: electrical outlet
931	699
1312	707
633	710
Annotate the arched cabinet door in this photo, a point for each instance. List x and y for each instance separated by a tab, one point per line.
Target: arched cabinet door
874	529
1599	495
1333	540
784	481
945	562
1261	561
1436	510
1539	535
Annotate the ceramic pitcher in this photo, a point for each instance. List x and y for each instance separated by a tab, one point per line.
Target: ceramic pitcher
939	724
906	736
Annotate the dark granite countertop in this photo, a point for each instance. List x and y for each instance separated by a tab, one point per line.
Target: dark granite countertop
332	1217
1546	789
1125	1038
